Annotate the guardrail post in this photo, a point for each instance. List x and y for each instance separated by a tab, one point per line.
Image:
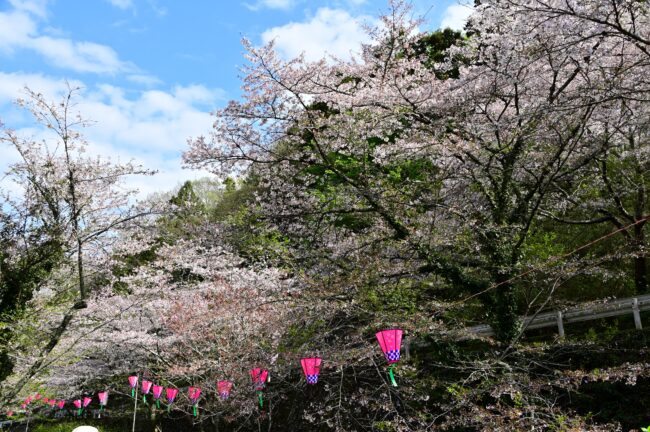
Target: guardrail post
560	325
636	313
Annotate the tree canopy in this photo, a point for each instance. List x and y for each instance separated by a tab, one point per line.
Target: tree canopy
436	181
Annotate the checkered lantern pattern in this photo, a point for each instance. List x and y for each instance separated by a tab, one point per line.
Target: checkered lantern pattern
312	379
311	368
390	341
392	355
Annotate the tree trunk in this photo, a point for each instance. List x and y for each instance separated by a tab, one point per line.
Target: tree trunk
36	367
74	211
80	267
640	261
503	314
500	298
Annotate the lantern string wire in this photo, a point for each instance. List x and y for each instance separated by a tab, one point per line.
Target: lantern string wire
554	259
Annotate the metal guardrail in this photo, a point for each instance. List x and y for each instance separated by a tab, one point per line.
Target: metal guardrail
632	305
9	423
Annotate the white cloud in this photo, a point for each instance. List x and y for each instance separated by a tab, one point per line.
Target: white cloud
455	16
34	7
198	94
144	79
16	29
122	4
159	10
78	56
151	127
19	30
278	4
13	84
271	4
330	31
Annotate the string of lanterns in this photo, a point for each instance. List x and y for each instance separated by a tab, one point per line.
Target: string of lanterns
389	340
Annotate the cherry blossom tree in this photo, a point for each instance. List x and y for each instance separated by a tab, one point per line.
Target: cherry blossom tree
451	173
194	314
613	189
417	173
78	201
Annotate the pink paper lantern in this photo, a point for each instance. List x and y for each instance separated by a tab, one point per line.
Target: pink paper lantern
194	393
51	402
87	401
224	388
390	342
103	398
60	404
311	368
259	377
146	386
133	382
157	391
77	404
170	394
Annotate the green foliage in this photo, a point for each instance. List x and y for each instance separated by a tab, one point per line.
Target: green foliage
457	391
26	261
185	197
340	167
233	198
411	170
354	222
605	333
383	426
252	237
128	264
185	275
189	209
542	245
298	336
561	423
434	45
402	298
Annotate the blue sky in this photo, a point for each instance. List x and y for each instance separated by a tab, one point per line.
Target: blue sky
153	70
